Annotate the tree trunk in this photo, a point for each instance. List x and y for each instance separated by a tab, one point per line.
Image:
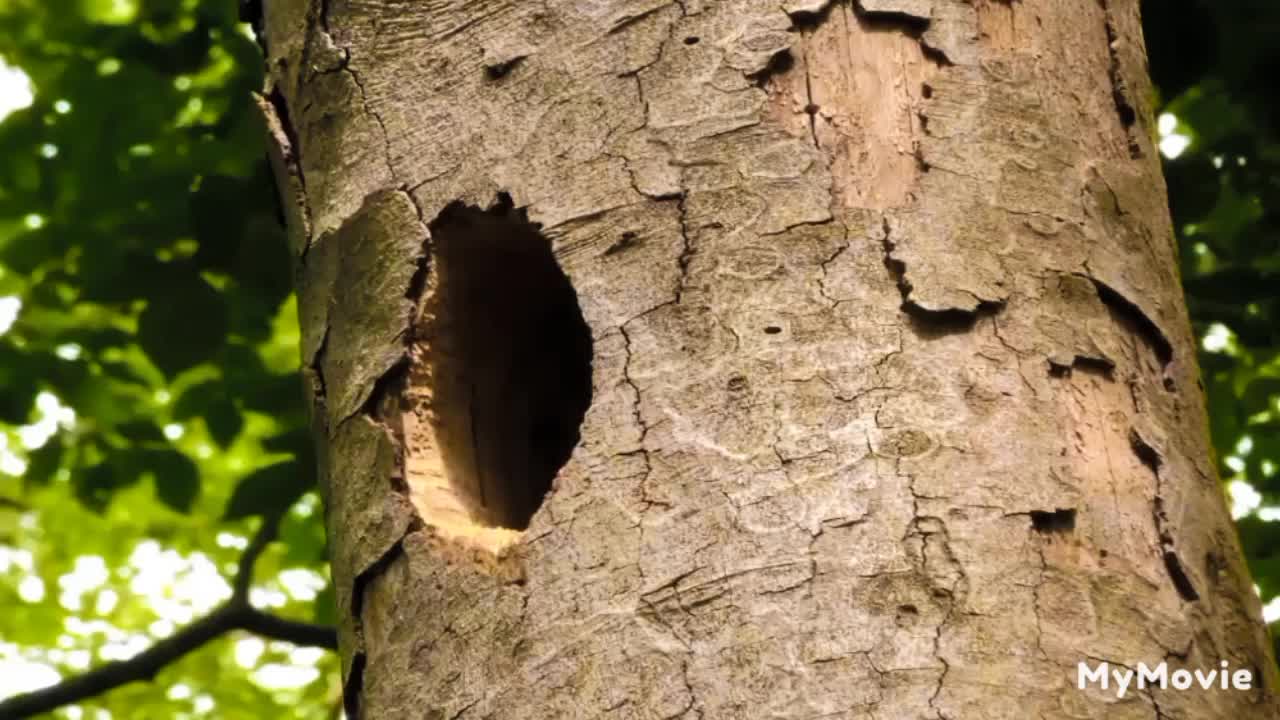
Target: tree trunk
751	359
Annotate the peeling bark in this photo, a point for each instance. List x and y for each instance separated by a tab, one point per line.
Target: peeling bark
893	408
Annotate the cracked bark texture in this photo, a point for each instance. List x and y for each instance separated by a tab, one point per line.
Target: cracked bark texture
896	411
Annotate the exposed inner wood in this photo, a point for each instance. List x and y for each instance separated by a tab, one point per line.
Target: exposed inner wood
857	89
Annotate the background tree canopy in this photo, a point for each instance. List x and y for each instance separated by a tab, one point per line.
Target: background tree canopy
150	413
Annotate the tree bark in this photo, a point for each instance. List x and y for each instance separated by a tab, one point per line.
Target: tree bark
891	403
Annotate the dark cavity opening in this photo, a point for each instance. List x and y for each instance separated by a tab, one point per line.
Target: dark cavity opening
913	26
499	70
692	40
1101	367
626	241
1181	582
934	324
1057	521
779	63
509	358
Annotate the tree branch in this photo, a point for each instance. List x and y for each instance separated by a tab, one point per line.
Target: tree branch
142	666
278	628
234	614
231	615
244	572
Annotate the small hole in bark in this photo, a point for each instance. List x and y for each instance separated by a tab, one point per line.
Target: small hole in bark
692	40
781	62
627	240
907	615
811	109
926	90
1057	521
772	330
499	70
506	367
737	383
1127	115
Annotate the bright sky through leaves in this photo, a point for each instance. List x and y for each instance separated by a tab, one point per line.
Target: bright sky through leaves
16	92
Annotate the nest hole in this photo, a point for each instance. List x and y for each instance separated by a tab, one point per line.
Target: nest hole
508	361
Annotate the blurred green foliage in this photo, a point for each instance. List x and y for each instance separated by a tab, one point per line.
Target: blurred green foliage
149	405
140	233
1216	63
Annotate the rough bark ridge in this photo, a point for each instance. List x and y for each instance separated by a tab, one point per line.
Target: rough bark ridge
895	411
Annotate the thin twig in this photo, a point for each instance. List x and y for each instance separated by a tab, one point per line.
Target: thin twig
261	539
294	631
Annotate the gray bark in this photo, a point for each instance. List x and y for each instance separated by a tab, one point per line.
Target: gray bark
894	405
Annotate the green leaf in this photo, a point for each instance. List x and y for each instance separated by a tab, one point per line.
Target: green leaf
181	331
18	384
217	217
297	441
268	491
210	400
123	372
44	462
1257	396
326	605
224	421
197	399
177	480
141	431
303	539
95	485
